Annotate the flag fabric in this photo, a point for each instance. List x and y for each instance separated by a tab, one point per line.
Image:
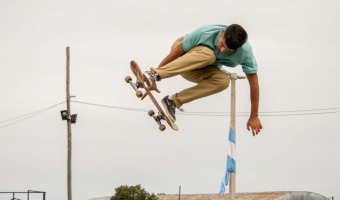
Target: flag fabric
231	160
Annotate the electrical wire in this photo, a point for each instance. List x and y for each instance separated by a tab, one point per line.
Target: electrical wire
217	114
321	111
27	116
113	107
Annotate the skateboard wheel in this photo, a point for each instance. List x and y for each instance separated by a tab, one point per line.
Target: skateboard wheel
139	94
151	113
128	79
162	127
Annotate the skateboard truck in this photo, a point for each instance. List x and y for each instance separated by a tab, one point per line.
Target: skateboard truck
135	86
158	119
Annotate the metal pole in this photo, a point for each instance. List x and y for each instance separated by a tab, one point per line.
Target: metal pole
69	135
233	77
232	181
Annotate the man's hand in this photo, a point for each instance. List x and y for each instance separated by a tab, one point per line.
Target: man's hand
254	124
152	87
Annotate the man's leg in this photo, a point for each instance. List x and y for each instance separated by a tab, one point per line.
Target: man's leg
210	80
195	58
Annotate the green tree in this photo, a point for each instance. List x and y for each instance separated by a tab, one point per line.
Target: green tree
132	193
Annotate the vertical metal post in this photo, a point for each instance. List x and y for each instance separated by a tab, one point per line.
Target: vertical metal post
233	77
69	135
232	181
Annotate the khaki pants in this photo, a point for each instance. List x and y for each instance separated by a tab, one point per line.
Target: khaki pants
195	66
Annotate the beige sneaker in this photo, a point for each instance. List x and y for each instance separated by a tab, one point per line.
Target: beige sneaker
150	77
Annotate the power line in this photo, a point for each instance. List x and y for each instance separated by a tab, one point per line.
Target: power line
260	113
27	116
217	114
320	111
113	107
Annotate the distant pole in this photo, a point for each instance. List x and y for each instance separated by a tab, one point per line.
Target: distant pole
233	77
179	193
69	135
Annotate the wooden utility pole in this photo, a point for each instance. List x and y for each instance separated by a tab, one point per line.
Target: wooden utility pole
233	77
69	135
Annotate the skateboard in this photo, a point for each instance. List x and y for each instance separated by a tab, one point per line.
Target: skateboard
140	84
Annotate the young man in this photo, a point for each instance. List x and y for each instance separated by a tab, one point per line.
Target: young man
198	58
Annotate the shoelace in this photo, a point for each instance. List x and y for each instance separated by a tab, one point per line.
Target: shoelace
152	75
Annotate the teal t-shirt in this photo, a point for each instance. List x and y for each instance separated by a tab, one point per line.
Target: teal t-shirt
208	36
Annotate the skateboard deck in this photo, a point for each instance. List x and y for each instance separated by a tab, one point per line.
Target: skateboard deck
141	84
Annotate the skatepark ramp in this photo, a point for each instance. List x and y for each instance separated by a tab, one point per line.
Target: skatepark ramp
250	196
243	196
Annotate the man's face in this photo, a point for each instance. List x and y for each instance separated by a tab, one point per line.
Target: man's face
222	45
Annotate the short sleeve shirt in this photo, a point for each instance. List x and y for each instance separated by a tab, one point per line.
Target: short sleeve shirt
208	36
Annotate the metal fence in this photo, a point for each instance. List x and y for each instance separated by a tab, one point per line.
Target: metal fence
22	195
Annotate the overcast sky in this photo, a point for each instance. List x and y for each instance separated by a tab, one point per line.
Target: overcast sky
296	47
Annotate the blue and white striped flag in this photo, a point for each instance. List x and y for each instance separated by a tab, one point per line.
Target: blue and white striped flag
231	160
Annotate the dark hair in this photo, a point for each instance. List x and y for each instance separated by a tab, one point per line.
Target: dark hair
235	36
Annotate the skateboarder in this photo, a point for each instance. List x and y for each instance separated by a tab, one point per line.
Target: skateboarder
198	57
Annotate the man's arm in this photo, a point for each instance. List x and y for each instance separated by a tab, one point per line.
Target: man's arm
174	53
254	122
